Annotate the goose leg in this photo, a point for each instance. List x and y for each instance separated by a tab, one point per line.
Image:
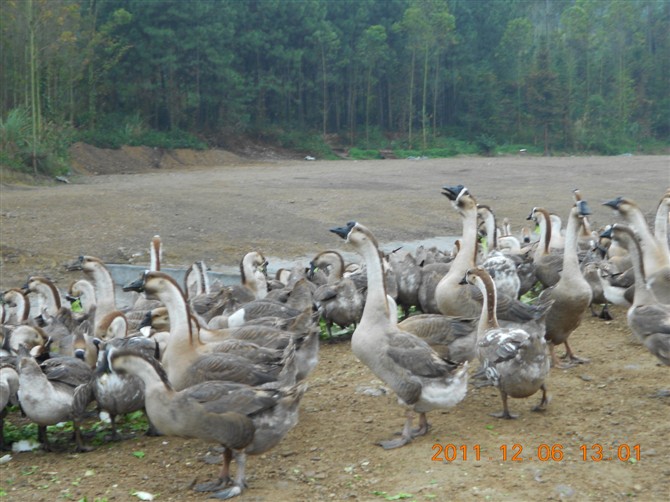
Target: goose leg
573	359
42	437
605	313
405	435
505	412
543	402
240	479
224	475
81	447
423	428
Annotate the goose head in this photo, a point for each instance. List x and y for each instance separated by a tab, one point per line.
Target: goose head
583	208
152	282
125	361
85	263
355	233
345	230
617	203
460	197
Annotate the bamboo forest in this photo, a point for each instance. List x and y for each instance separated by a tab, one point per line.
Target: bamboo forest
555	75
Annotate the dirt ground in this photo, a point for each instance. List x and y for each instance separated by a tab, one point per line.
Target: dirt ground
218	205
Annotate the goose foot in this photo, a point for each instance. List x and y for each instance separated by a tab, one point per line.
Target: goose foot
395	443
505	414
573	359
542	406
212	486
423	428
605	314
228	493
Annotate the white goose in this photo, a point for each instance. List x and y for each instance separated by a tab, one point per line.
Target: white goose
654	253
465	300
422	380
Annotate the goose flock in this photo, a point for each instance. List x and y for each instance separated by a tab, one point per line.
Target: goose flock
230	364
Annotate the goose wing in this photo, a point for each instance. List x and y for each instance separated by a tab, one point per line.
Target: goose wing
221	397
416	356
506	344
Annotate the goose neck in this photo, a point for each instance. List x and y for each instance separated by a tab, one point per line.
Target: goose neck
467	255
488	319
376	303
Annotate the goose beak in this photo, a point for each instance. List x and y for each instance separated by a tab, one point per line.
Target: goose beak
452	192
607	233
344	231
583	207
614	203
75	265
137	285
146	321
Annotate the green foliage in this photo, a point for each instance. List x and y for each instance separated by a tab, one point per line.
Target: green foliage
116	131
308	142
358	154
18	149
585	76
486	144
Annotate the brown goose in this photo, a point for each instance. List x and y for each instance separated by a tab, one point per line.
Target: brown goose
422	380
48	297
341	300
186	359
654	253
17	306
453	338
244	420
514	360
465	300
571	295
548	262
648	319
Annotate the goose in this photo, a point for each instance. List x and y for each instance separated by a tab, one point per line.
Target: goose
548	263
9	386
17	305
557	240
82	294
48	296
103	284
515	360
661	221
571	295
500	266
243	419
465	300
116	394
422	380
654	253
340	301
453	338
408	279
46	391
186	359
296	300
648	319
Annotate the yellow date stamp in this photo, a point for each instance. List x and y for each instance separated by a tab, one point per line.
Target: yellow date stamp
543	452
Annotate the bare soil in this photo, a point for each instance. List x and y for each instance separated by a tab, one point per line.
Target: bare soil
218	205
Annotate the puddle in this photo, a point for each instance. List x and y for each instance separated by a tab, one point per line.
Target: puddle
123	274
